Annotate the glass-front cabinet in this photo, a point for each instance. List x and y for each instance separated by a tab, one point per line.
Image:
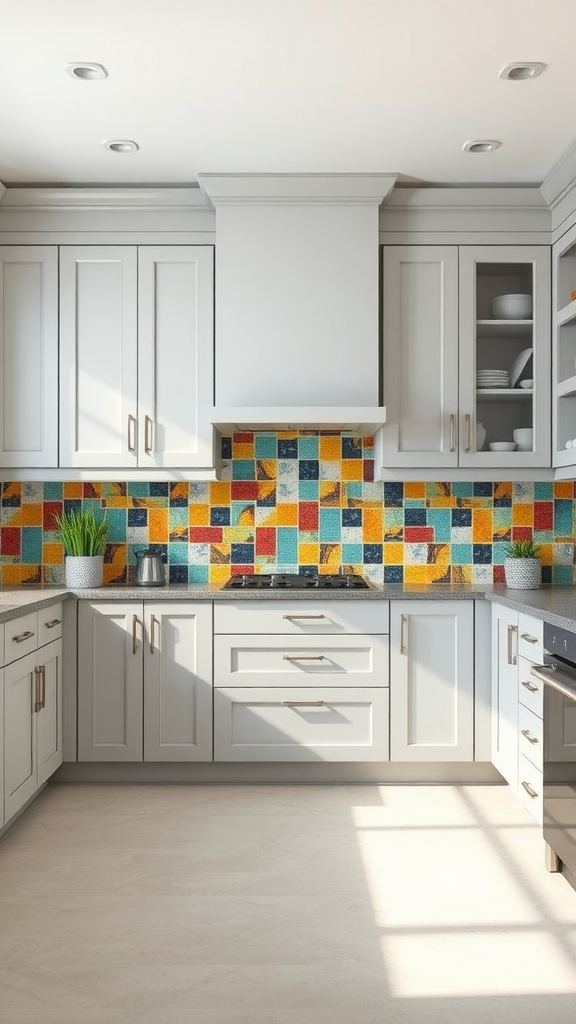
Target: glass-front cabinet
564	350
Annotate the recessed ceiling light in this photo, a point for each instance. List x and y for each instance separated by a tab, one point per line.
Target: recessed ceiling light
480	146
520	71
86	72
121	145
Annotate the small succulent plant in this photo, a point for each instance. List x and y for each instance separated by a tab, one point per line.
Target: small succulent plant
523	549
81	532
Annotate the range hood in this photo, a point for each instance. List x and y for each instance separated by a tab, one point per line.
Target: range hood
297	288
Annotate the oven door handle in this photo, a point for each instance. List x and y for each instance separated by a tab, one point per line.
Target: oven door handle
558	680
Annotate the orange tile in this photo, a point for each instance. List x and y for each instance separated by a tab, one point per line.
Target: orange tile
563	489
13	490
199	515
439	573
71	489
414	490
351	469
220	493
442	502
52	554
330	449
287	434
393	554
179	490
11	575
266	469
372	526
503	490
522	515
330	492
158	526
287	514
309	554
438	554
546	554
31	515
482	526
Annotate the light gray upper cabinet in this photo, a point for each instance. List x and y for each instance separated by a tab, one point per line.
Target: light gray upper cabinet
29	356
444	349
136	356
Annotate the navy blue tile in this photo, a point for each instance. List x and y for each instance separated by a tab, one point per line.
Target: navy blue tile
178	574
461	517
72	505
482	554
373	554
287	448
351	447
393	574
159	549
242	554
178	502
308	570
393	495
415	517
308	469
226	447
159	490
483	490
503	502
137	517
546	574
351	517
219	516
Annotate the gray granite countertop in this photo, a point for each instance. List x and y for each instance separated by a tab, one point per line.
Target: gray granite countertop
556	605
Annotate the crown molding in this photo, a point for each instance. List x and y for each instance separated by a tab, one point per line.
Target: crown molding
296	189
473	215
561	178
102	198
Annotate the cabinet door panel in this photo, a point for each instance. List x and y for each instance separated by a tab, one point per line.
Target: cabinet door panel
420	328
178	682
505	693
29	356
175	355
98	353
431	681
49	718
109	681
19	734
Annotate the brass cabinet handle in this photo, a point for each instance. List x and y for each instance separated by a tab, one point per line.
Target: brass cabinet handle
467	423
37	703
529	639
148	435
512	659
531	792
131	432
152	623
302	703
21	637
529	686
303	657
452	432
529	736
403	634
134	637
295	616
52	623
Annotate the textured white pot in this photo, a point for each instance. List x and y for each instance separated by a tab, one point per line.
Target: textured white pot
523	573
84	571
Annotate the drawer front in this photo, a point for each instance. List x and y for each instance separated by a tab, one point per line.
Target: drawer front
49	624
20	637
531	737
303	618
530	638
530	689
264	724
303	661
530	788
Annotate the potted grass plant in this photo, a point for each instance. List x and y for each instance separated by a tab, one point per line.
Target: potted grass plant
83	537
522	567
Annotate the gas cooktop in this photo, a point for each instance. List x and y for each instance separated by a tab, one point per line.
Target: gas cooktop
296	581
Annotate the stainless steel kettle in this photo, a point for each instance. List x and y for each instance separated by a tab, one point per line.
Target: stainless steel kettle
149	569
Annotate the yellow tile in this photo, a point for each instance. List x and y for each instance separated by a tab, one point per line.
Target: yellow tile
461	574
287	434
52	554
372	526
11	575
31	515
414	490
218	573
416	574
546	554
330	492
158	525
482	526
438	554
351	469
309	554
393	554
243	451
330	557
443	502
199	515
522	515
438	573
246	517
503	490
266	469
266	489
330	449
220	493
238	534
287	514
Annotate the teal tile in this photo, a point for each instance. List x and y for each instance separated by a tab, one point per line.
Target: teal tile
177	516
31	545
308	490
352	554
544	491
562	573
265	446
117	524
441	520
353	489
462	490
462	554
177	553
308	448
243	469
198	574
241	511
330	522
52	491
138	490
287	545
563	517
499	552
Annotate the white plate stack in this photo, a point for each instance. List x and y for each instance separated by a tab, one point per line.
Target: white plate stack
486	379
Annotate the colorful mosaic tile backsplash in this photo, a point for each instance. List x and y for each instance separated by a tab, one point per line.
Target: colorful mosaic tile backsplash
292	502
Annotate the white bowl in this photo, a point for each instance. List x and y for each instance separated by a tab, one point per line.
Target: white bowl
512	307
526	384
502	446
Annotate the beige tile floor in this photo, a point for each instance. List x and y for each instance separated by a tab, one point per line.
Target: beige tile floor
282	905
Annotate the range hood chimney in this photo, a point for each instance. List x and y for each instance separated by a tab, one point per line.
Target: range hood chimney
297	289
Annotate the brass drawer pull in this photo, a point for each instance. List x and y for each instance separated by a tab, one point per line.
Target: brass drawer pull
21	637
302	703
531	792
529	638
530	686
295	616
529	736
303	657
52	623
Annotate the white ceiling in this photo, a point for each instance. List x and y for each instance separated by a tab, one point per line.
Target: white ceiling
340	86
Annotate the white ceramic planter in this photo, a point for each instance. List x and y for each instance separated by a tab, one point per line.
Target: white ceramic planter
523	573
84	571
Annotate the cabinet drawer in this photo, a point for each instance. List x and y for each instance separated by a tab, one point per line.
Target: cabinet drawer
20	637
324	724
531	736
49	624
530	638
303	661
302	617
530	689
530	788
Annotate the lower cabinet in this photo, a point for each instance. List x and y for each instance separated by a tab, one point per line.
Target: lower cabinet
431	680
144	681
505	745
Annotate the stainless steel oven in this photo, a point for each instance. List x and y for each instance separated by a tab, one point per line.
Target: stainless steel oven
559	783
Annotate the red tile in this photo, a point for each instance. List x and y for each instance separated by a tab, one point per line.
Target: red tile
308	515
265	540
368	471
543	515
241	570
499	574
205	534
419	534
10	540
51	508
521	533
241	490
243	438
